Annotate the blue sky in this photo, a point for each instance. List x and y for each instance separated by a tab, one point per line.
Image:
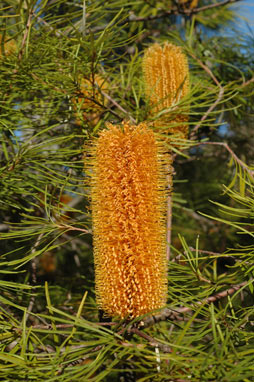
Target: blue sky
246	14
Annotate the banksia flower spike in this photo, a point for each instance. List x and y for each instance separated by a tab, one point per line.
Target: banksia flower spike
166	76
128	195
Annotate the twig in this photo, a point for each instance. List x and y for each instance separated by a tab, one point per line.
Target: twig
207	252
173	11
175	314
238	160
215	5
79	361
71	228
118	106
172	314
213	106
169	224
103	107
151	340
199	218
4	227
106	323
169	211
58	90
41	20
34	276
50	327
224	293
181	11
246	83
28	25
84	18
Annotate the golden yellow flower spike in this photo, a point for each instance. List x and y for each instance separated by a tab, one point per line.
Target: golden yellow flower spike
91	89
166	76
128	195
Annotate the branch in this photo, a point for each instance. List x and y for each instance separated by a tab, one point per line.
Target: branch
173	11
153	342
4	227
246	83
28	25
199	218
118	106
41	20
78	361
169	224
215	5
50	326
181	11
175	314
163	316
238	160
34	276
71	228
216	254
169	211
213	106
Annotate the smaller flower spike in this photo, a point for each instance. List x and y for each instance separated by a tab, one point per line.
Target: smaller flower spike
128	193
166	76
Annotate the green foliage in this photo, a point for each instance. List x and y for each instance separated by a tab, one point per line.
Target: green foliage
49	329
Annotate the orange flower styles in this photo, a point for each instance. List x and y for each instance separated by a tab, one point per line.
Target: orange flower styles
128	192
166	76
